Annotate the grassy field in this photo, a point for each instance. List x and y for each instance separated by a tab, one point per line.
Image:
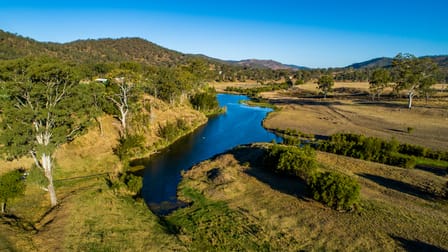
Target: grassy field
400	209
425	124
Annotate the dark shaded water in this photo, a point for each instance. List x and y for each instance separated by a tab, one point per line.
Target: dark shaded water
241	124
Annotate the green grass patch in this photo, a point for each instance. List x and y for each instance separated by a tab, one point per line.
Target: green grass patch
213	226
432	163
260	103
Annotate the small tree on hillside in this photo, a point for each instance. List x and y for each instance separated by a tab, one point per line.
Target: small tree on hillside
121	93
11	186
325	83
379	80
414	75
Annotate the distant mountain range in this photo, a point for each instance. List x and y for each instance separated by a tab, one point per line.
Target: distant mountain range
136	49
271	64
441	60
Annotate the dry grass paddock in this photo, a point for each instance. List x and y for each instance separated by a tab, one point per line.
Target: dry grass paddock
425	124
398	211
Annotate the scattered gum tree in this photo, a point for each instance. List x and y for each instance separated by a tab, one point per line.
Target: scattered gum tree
39	112
325	83
414	75
121	92
378	81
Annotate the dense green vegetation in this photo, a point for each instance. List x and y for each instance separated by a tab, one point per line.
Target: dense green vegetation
366	148
205	101
293	161
332	189
370	148
378	150
335	190
325	83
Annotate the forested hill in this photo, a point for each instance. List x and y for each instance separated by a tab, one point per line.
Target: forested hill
82	51
115	50
269	64
441	60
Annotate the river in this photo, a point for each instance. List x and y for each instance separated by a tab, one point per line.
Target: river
241	124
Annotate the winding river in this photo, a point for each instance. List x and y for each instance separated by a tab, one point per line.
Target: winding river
241	124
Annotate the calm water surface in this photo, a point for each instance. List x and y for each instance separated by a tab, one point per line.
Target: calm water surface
241	124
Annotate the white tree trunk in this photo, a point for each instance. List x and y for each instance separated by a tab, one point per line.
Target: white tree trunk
3	207
48	170
411	95
124	113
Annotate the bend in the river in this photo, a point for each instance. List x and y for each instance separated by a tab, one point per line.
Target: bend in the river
241	124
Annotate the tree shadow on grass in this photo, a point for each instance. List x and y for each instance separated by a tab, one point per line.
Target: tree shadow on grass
254	158
399	186
416	245
439	171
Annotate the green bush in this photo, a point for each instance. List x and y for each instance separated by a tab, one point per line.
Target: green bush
133	183
205	101
414	150
127	181
294	161
129	146
335	190
401	161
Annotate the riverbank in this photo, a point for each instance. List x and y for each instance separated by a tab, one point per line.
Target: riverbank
398	209
91	215
240	125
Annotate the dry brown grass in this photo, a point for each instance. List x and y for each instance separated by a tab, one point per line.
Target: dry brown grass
393	216
384	119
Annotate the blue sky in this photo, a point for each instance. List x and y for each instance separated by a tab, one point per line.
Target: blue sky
310	33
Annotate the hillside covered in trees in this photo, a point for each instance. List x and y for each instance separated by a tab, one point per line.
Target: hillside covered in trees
98	55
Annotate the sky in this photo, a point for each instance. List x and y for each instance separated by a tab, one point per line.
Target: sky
319	33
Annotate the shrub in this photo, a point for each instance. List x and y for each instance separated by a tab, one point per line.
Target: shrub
133	183
335	190
401	161
125	183
204	101
129	146
294	161
413	150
